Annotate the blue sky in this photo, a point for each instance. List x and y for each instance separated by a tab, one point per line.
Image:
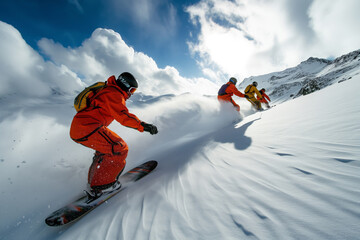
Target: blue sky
70	22
174	45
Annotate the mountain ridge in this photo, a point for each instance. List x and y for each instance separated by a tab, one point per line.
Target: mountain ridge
307	77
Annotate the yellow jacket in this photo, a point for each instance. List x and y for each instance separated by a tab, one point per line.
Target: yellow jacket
250	91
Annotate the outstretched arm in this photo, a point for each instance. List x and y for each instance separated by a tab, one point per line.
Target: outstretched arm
115	104
235	91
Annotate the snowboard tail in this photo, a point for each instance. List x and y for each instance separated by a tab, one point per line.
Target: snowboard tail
84	204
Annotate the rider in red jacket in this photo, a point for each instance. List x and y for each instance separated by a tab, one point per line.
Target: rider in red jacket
90	128
263	100
227	90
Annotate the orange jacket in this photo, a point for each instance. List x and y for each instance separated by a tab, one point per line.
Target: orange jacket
106	106
229	91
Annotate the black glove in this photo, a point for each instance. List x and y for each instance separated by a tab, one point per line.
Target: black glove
152	129
246	96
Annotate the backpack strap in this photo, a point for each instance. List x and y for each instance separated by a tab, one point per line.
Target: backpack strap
246	92
97	93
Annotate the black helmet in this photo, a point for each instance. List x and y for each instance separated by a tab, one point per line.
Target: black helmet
127	82
255	84
263	89
233	80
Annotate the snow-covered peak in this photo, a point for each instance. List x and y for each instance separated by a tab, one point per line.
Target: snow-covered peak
312	60
309	76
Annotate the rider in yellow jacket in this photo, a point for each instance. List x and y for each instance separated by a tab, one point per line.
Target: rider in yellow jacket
250	92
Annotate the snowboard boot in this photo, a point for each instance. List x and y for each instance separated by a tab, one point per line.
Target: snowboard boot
115	186
96	192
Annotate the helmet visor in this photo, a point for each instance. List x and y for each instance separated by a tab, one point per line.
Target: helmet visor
132	90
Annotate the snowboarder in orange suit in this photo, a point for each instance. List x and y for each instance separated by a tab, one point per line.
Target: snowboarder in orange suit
263	100
90	128
250	91
227	90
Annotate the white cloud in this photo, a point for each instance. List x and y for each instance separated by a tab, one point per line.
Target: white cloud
157	18
25	73
105	53
336	24
247	37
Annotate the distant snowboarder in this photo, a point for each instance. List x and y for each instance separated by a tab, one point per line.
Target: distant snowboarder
227	90
263	100
90	128
250	91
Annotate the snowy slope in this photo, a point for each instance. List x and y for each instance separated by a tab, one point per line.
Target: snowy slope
291	172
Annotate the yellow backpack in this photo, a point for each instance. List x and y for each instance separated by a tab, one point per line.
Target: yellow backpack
82	100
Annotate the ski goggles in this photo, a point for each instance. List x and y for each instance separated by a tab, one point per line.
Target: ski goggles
132	90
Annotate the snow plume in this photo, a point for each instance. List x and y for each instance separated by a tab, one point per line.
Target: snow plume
33	145
180	119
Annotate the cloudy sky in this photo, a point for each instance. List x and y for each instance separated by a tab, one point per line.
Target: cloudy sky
171	46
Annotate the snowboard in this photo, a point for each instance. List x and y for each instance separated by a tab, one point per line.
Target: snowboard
85	204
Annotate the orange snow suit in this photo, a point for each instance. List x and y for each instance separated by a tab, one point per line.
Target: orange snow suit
263	100
90	128
225	94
